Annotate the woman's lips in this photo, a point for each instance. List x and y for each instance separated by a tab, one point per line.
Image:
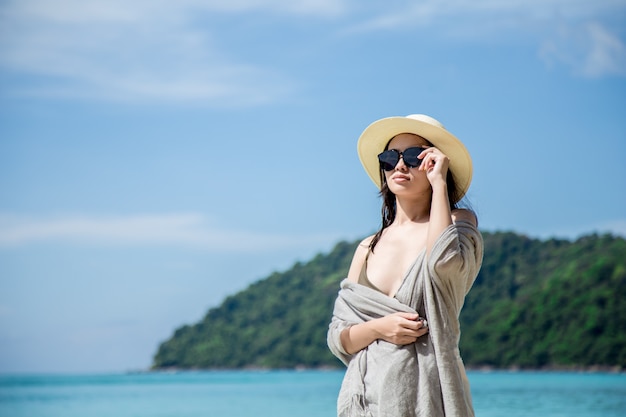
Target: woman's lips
400	178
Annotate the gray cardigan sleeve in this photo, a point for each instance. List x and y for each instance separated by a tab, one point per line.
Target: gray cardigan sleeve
333	337
456	259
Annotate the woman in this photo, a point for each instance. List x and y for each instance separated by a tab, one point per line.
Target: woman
395	322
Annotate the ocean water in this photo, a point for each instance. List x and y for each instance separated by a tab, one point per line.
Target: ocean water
290	393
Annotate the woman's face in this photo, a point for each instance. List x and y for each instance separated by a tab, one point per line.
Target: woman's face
405	180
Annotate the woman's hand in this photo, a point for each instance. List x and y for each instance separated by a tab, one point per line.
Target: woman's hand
397	328
435	163
400	328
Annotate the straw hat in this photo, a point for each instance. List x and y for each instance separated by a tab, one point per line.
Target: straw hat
376	136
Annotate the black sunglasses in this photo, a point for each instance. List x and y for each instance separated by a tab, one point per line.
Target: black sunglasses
390	158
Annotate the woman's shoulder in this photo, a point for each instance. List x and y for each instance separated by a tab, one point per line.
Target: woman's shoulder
359	258
363	248
464	215
365	243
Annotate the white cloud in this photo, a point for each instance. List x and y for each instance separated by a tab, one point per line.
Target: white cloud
589	49
569	32
135	51
146	230
469	18
606	53
138	11
164	51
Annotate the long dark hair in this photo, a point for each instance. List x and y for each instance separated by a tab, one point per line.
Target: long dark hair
389	208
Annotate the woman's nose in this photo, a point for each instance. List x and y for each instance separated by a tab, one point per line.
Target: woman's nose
401	166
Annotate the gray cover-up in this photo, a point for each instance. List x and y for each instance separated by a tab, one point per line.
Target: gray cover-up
425	378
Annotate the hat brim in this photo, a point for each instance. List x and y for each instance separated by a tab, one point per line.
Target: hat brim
376	136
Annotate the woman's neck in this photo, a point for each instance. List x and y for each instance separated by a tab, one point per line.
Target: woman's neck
416	210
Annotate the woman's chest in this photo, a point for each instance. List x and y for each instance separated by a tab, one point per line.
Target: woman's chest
389	264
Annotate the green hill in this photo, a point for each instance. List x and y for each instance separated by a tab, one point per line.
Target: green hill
534	304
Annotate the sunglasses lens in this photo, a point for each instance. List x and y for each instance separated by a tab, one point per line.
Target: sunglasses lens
410	157
389	159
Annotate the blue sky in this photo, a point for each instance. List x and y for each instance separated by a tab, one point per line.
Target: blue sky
157	156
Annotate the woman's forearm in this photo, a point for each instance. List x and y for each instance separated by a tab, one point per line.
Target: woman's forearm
400	328
358	337
440	215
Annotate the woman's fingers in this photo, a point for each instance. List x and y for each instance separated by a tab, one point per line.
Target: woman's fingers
401	328
412	327
412	324
430	157
408	316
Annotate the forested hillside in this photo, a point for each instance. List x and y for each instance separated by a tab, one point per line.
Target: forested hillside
534	304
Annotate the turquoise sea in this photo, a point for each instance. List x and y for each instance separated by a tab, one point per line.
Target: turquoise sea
290	393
